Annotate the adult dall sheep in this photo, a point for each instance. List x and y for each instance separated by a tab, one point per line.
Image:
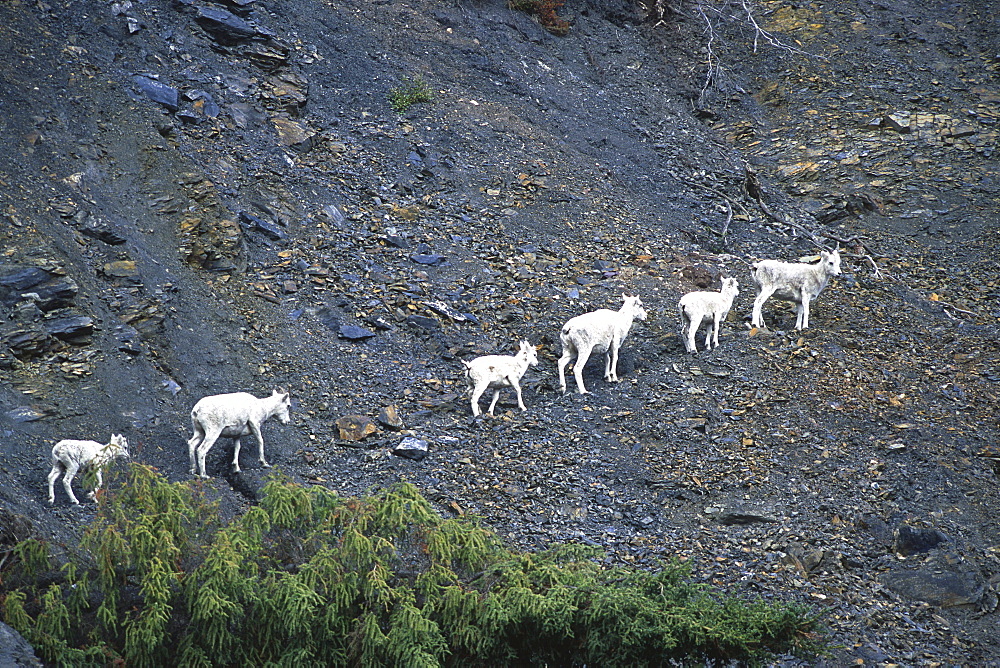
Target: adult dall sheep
795	282
602	330
233	416
69	456
498	371
696	306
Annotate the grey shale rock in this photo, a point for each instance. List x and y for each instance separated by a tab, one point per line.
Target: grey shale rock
388	416
265	227
941	587
50	291
223	26
15	652
70	327
354	333
908	540
411	447
156	91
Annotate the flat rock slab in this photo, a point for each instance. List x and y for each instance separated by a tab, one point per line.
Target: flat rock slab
945	589
158	92
354	333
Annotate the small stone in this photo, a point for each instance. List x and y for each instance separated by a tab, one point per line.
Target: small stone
740	517
898	122
224	27
411	448
102	232
424	322
333	213
389	417
396	241
204	103
430	259
27	414
355	427
446	310
266	227
294	134
121	269
354	333
158	92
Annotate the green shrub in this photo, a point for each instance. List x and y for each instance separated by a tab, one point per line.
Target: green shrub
409	93
310	578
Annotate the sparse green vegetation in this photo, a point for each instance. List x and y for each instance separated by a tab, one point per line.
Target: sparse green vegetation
410	92
310	578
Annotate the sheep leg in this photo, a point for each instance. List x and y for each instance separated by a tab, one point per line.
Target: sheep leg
477	392
582	355
611	362
693	324
236	454
567	357
255	428
199	436
756	319
496	395
53	474
71	470
100	481
203	448
802	318
517	388
713	335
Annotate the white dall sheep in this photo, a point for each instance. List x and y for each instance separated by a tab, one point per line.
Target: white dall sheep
602	330
696	306
795	282
69	456
233	416
499	371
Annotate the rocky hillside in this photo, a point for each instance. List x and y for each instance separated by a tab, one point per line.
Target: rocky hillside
202	198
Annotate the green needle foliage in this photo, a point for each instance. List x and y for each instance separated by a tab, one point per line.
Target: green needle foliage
308	578
409	93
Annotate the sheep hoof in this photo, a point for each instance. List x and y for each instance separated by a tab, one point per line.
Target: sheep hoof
265	465
204	477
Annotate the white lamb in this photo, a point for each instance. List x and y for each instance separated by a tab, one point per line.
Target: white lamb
602	330
233	416
69	456
695	306
795	282
499	371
